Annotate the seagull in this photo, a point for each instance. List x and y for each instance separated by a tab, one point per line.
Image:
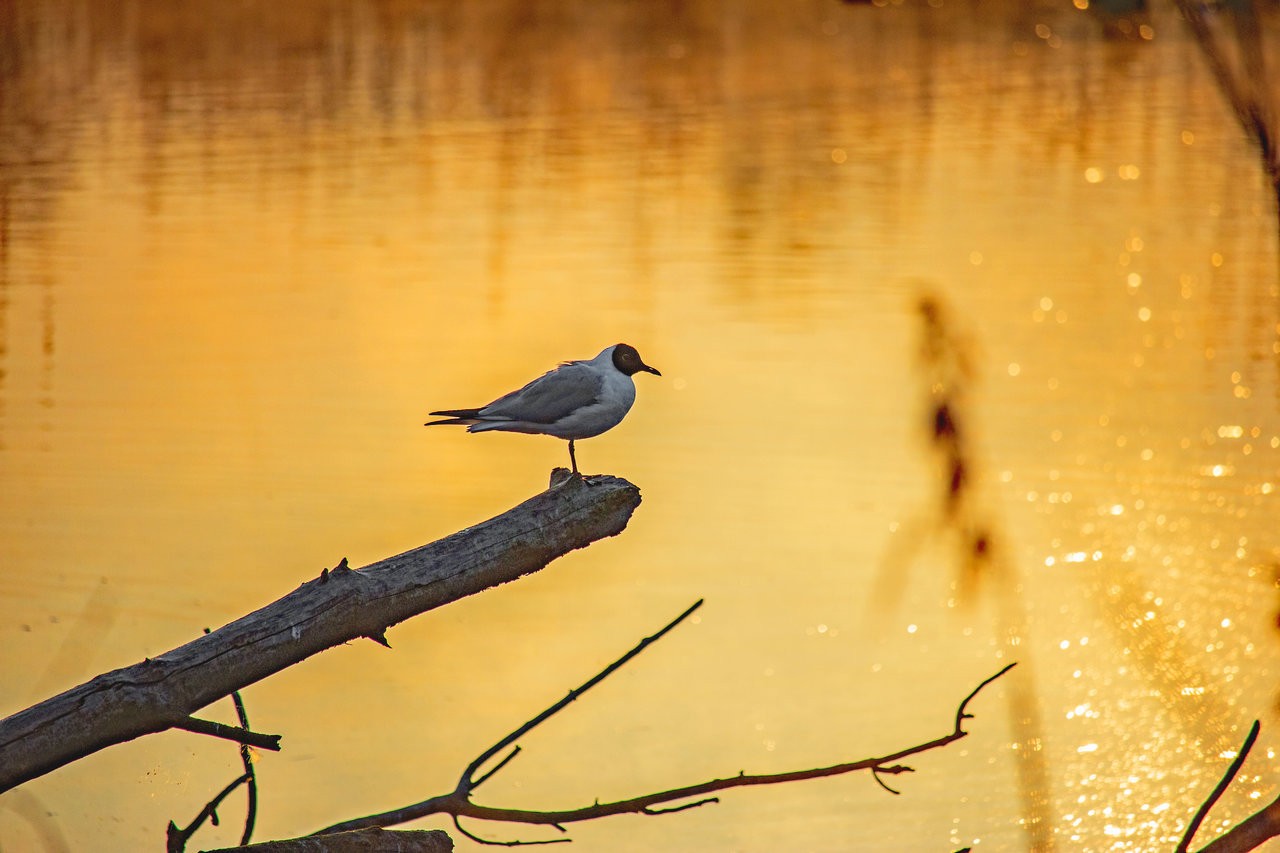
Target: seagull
578	399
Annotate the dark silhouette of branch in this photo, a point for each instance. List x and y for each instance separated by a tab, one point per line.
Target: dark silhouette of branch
339	606
457	803
242	736
1221	788
177	838
467	783
1250	832
251	786
362	841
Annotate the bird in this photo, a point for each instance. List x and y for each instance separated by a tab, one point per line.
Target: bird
576	400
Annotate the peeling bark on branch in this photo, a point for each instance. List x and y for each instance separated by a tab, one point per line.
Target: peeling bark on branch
339	606
363	841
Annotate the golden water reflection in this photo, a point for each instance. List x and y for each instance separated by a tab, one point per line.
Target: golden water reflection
245	249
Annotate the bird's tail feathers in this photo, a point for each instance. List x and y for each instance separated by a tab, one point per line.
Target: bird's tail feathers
460	417
486	425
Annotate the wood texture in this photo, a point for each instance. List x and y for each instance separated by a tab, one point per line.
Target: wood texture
362	841
339	606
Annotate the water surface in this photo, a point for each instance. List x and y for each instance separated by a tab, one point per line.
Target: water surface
244	249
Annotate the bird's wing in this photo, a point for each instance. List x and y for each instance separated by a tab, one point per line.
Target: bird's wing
550	397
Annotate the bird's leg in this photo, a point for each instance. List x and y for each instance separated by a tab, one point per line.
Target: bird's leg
573	460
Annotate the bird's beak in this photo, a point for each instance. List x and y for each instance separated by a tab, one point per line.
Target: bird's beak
647	369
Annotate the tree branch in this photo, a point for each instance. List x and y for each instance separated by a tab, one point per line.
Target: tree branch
239	735
1218	791
177	838
339	606
457	803
466	784
1250	832
364	841
251	786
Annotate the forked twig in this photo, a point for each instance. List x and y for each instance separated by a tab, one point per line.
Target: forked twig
468	783
251	784
457	803
176	837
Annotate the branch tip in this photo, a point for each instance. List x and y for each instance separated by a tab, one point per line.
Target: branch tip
465	781
962	712
1221	788
651	811
875	774
501	764
243	736
489	842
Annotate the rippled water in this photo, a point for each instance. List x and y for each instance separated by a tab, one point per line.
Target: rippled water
244	249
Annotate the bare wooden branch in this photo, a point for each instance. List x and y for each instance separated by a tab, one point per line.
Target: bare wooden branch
468	783
363	841
1250	833
177	837
242	736
339	606
251	786
457	803
1219	790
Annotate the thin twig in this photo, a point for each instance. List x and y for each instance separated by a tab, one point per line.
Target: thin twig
1223	784
961	713
875	774
231	733
251	786
457	803
501	764
177	838
467	783
680	808
489	842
